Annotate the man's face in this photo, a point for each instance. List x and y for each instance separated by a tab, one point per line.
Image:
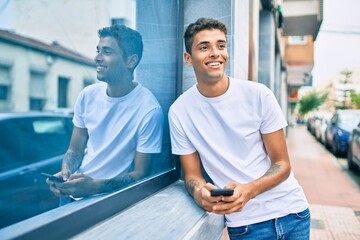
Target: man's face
110	64
209	55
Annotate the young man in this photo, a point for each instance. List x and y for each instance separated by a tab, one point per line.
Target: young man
117	122
235	129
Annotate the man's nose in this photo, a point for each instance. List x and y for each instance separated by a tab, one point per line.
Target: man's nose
214	52
98	57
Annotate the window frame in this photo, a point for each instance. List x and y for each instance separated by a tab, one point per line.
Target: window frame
61	224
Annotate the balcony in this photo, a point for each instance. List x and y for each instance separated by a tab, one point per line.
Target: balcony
301	23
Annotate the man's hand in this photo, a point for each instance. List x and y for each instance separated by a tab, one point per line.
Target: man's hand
204	199
235	203
77	185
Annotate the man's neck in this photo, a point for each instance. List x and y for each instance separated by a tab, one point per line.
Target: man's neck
120	90
213	89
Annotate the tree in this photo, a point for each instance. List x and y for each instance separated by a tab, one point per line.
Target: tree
355	99
311	101
346	91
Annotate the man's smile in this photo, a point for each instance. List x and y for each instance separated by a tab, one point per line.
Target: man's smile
214	64
100	68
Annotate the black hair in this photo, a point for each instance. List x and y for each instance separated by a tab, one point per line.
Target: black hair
128	40
199	25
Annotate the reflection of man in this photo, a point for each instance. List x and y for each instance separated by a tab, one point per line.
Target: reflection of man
235	128
117	122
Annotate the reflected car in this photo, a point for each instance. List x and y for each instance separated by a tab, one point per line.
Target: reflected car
30	143
338	131
353	157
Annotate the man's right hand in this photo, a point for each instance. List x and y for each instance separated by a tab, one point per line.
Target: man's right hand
204	199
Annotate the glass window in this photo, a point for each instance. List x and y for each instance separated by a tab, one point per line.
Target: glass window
297	40
53	49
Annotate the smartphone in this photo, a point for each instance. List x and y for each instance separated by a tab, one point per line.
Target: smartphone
52	177
222	192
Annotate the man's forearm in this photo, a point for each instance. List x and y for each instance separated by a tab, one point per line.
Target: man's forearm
72	161
191	185
276	174
118	182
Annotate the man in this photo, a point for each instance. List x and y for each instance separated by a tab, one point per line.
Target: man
117	122
235	129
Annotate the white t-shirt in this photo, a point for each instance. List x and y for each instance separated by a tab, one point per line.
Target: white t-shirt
226	132
117	128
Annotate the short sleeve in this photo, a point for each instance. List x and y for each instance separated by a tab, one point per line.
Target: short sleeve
151	132
180	144
78	119
273	118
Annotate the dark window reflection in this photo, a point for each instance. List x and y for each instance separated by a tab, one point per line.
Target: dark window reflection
47	58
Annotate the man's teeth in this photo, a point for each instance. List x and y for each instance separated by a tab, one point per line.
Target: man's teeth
100	68
214	64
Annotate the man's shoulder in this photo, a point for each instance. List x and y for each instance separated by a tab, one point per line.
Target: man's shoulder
93	88
249	86
185	98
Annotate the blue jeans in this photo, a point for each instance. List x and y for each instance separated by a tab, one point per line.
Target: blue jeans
294	226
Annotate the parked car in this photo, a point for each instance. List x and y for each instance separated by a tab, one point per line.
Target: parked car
338	131
320	127
354	149
30	143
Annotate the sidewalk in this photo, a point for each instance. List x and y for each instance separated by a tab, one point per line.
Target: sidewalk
334	199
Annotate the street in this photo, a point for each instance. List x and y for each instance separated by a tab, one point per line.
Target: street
354	176
331	189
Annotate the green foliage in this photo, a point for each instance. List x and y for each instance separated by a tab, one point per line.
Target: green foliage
355	99
311	101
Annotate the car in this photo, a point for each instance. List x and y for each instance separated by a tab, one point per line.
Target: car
353	157
338	131
320	127
30	143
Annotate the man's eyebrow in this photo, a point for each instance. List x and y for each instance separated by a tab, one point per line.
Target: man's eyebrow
104	47
207	42
203	42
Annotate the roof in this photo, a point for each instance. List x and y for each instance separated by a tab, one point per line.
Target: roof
54	49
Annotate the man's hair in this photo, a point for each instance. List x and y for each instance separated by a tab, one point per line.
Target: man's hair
200	25
128	40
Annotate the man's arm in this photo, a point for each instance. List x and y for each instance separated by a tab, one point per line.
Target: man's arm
280	169
142	169
75	153
195	182
72	159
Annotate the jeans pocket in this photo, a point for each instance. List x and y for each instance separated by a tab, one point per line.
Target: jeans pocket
237	231
304	214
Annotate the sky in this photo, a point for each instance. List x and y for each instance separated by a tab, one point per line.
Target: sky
337	46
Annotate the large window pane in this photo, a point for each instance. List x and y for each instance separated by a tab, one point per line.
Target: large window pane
51	45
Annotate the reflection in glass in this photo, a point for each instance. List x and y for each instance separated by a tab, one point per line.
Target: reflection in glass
47	58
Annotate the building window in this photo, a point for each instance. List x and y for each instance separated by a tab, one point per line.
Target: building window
297	40
87	82
4	83
4	92
37	92
63	92
120	21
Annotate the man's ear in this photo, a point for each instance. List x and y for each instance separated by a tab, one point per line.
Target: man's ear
187	58
132	61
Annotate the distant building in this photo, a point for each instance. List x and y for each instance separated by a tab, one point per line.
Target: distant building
39	76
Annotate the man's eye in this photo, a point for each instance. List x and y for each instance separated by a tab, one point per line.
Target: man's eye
222	46
203	47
